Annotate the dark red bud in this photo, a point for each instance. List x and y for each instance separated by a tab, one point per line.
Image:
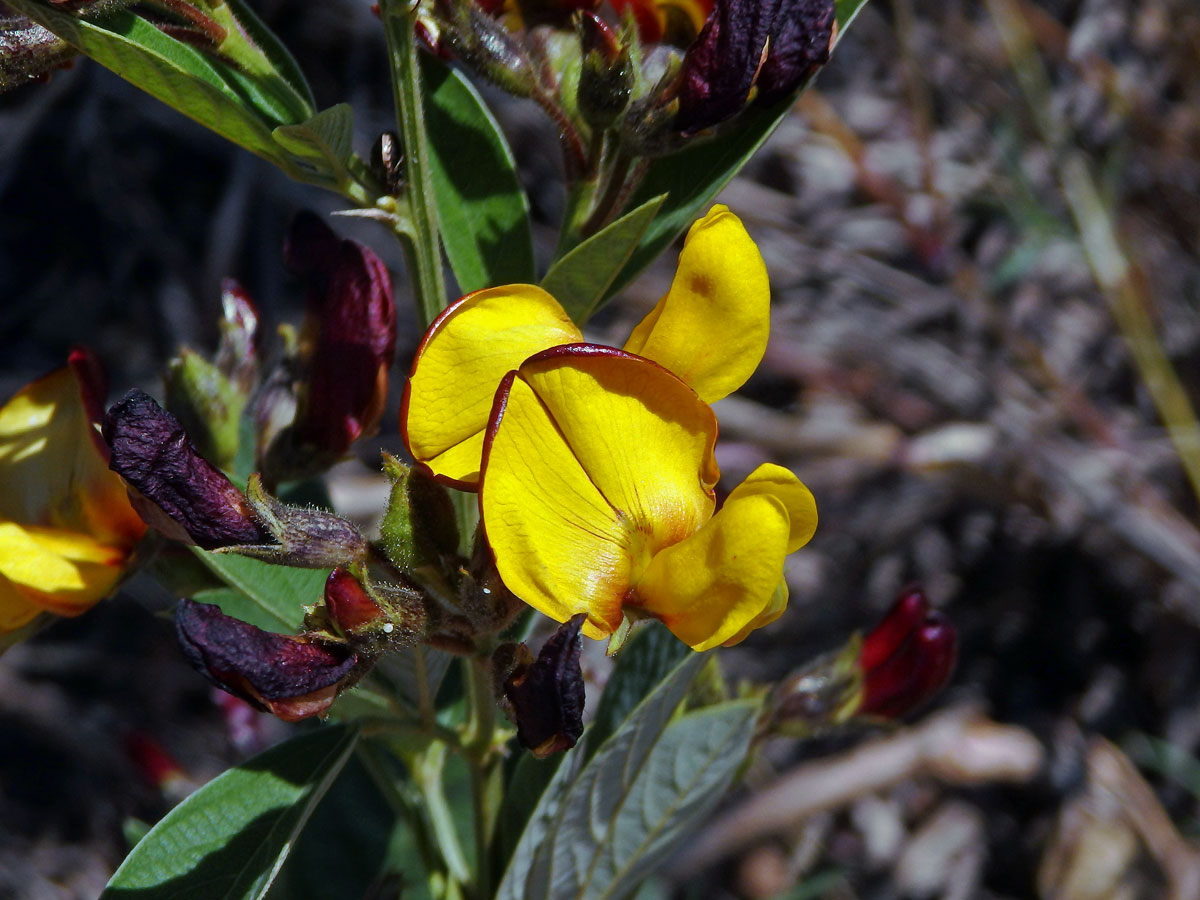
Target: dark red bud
597	36
775	45
152	760
237	354
350	336
916	669
178	491
902	619
720	66
282	674
348	602
800	44
547	696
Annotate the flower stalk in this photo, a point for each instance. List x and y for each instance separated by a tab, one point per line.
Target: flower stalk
419	234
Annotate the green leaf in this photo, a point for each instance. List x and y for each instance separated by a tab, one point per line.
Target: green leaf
323	144
629	808
636	800
523	790
646	660
580	279
272	49
228	840
692	178
275	595
535	859
237	105
350	828
483	210
234	603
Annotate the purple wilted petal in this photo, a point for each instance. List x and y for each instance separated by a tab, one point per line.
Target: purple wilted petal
178	491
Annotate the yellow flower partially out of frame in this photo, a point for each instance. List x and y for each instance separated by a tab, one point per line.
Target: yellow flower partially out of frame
710	329
66	526
597	498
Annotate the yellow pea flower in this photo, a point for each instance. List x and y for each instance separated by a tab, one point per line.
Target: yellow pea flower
710	329
66	527
597	498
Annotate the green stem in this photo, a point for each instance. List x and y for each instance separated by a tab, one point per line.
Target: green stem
481	706
421	244
378	768
427	773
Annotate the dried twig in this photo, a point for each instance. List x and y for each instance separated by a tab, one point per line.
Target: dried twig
959	746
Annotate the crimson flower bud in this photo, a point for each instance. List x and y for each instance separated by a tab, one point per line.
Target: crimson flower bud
348	603
907	658
373	616
606	76
156	765
173	487
546	695
289	676
237	353
347	345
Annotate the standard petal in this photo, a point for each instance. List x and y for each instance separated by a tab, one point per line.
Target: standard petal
642	436
778	482
558	544
53	469
711	327
459	364
709	588
60	571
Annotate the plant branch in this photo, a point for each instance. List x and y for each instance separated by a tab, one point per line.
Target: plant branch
421	242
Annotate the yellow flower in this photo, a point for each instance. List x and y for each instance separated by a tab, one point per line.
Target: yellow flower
710	329
597	498
596	492
66	526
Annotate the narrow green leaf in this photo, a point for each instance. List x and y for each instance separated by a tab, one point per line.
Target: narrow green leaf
342	851
280	593
246	56
523	791
534	871
580	279
644	662
692	178
483	210
633	803
228	840
272	49
323	144
219	96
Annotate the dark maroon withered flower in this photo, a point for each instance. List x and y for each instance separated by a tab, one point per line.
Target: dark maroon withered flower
774	44
547	696
907	658
799	46
349	337
176	490
285	675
